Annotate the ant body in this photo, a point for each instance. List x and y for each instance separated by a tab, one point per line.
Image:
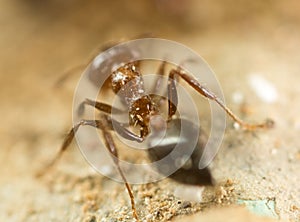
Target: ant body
127	82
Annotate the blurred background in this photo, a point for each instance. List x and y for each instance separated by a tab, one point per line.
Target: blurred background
249	44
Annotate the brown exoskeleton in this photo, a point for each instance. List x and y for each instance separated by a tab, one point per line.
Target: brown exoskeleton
127	82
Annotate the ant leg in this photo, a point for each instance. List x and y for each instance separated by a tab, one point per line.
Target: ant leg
210	95
160	72
121	129
110	145
172	96
99	106
67	141
113	150
112	123
155	94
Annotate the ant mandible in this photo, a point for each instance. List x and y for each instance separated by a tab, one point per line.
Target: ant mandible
127	82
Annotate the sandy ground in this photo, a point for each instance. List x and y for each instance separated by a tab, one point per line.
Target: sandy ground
40	40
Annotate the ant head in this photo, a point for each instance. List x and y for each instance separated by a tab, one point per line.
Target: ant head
140	113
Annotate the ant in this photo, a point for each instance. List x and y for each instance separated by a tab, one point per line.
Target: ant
143	109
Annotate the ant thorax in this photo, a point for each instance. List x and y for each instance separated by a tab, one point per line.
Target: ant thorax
140	113
127	82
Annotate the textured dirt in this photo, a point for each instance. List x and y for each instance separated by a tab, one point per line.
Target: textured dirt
39	41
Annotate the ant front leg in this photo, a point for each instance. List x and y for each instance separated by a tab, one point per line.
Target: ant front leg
110	122
99	106
113	124
103	124
209	95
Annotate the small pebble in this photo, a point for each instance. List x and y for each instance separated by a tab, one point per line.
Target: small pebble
236	126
